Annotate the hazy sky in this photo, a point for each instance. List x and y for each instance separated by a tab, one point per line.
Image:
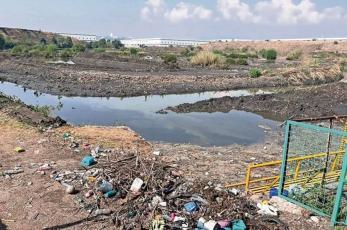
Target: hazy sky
195	19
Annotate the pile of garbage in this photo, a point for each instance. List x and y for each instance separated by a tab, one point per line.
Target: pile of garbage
131	190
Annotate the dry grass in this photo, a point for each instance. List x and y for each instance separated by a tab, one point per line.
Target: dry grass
110	137
206	58
282	47
317	75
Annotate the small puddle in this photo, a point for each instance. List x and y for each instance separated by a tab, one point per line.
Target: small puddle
205	129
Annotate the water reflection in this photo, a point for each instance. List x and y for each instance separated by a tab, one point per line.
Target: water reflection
204	129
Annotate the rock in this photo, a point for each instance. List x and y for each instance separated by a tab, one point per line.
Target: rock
136	185
157	153
103	212
285	206
69	188
314	219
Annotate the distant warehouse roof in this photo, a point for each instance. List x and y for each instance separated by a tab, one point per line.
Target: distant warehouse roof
82	37
160	42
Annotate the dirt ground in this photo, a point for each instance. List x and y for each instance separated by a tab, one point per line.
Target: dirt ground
91	76
323	100
283	47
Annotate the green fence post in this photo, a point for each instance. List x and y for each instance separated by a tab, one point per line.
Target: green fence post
339	191
284	158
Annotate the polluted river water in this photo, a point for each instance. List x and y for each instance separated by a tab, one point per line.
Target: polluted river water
139	113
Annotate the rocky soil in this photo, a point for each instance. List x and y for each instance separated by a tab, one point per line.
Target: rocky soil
324	100
90	76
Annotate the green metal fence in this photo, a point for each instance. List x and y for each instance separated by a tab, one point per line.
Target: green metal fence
321	185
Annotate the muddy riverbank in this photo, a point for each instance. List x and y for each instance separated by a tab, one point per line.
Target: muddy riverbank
106	78
324	100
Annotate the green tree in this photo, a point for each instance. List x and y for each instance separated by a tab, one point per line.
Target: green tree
117	44
102	43
2	42
78	48
134	51
68	42
43	41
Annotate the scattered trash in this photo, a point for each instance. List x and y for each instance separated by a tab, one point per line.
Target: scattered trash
103	212
19	149
44	167
201	223
191	207
210	225
66	136
238	225
274	192
235	191
285	206
314	219
266	209
70	189
13	171
110	194
136	185
89	193
105	186
157	153
147	194
88	161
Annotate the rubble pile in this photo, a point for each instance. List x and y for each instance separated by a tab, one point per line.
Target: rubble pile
137	191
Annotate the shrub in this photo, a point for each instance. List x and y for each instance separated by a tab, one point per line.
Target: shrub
66	54
44	110
270	54
51	51
242	61
219	52
294	55
117	44
2	42
254	73
134	51
19	50
230	61
336	42
99	50
9	44
205	58
78	48
169	58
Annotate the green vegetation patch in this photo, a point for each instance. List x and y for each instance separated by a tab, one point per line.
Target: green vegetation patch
254	73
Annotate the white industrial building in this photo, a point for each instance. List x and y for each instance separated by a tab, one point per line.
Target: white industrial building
82	37
160	42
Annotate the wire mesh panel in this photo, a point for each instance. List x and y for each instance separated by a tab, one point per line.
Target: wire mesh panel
312	164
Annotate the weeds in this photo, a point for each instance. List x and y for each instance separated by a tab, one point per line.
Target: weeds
205	58
45	110
270	54
254	73
294	55
169	58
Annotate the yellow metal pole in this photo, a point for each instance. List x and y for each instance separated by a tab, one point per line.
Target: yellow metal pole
297	169
248	176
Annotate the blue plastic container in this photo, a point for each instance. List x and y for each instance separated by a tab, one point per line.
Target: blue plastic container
239	225
191	207
274	192
88	161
